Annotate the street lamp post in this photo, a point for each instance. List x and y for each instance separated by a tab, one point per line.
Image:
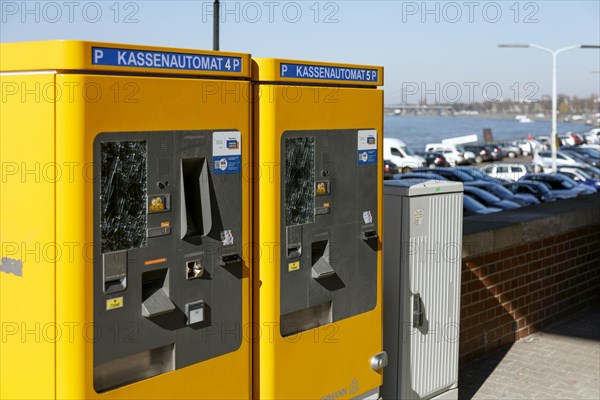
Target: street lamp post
216	17
554	53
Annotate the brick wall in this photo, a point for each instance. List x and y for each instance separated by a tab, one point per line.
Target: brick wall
510	292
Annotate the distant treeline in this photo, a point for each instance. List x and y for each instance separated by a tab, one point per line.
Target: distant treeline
566	105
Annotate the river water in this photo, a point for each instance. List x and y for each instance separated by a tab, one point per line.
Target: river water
417	131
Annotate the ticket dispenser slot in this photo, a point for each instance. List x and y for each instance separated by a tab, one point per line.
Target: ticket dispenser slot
329	206
169	221
321	267
155	294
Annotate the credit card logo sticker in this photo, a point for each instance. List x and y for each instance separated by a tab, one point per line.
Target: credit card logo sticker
367	147
227	152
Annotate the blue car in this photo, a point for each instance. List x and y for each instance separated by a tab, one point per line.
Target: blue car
524	199
585	154
561	186
488	199
473	207
591	171
478	174
580	176
540	190
420	176
452	174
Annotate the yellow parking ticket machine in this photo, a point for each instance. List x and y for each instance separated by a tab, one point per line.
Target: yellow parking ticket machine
318	224
124	219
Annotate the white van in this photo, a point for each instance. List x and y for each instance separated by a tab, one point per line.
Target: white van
452	154
396	151
508	172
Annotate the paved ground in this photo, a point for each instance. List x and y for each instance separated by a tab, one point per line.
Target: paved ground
561	362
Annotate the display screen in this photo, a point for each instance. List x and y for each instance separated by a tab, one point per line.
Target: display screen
299	181
123	195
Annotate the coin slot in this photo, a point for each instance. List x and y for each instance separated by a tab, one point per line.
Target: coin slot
194	269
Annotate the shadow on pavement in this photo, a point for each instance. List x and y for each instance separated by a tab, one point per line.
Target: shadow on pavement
583	325
474	374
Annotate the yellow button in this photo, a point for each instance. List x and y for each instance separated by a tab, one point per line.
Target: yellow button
295	266
111	304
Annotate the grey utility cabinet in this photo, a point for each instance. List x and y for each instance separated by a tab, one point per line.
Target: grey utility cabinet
422	261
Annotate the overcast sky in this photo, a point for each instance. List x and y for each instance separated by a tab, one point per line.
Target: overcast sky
431	50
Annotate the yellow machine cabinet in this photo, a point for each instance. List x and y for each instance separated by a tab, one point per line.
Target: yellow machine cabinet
124	219
318	224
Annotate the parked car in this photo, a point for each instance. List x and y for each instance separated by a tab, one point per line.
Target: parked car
420	176
569	139
478	174
497	189
497	152
507	172
452	174
452	154
580	136
594	146
396	151
580	176
482	153
389	169
543	159
594	172
511	151
468	155
538	189
560	185
433	158
488	199
585	154
592	136
474	207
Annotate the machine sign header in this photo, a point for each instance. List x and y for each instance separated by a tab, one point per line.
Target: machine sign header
165	60
329	72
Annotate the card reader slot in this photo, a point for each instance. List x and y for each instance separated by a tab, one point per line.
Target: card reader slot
231	259
369	234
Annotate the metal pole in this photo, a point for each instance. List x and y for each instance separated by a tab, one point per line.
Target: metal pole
553	136
554	105
216	17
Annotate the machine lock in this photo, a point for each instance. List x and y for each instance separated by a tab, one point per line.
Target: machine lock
379	361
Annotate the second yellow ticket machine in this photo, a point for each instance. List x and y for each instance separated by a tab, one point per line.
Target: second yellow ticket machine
318	225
